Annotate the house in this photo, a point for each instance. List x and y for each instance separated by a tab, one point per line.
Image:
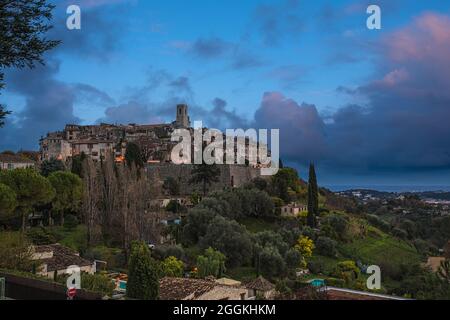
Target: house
12	161
293	209
260	287
56	258
198	289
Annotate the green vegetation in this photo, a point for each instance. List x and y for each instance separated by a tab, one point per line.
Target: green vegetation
143	273
204	175
172	267
25	47
211	263
68	192
31	189
313	198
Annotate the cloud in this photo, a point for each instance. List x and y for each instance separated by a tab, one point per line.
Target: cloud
49	106
210	48
288	75
278	21
403	127
302	134
100	34
130	112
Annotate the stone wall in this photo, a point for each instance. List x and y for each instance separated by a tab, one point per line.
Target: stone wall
230	176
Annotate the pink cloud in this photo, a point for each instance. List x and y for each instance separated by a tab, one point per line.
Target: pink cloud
427	37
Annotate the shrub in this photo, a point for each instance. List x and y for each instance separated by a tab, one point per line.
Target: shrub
172	267
15	252
399	233
378	222
271	263
211	263
41	236
97	283
70	222
293	258
163	252
326	246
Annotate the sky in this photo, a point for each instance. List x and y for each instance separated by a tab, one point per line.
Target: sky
368	107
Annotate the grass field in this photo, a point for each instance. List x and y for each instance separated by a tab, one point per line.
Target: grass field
383	249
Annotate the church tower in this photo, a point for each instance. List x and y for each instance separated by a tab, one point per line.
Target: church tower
182	116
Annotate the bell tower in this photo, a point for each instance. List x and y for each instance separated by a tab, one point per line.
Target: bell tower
182	120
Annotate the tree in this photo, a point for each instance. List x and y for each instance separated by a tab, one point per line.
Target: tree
8	201
313	198
3	113
285	179
77	164
293	258
305	247
270	238
50	166
172	186
271	263
30	187
230	238
326	246
69	191
133	155
205	175
15	252
143	282
172	267
23	25
212	263
196	225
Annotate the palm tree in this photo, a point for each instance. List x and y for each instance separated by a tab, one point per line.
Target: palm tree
204	174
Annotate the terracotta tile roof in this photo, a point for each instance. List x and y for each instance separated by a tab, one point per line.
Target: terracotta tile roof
62	258
260	284
182	288
9	158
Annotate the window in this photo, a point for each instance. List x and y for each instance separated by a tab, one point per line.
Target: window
10	166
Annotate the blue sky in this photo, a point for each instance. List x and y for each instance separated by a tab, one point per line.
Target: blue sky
311	68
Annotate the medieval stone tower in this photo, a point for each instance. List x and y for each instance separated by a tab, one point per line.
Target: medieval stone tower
182	116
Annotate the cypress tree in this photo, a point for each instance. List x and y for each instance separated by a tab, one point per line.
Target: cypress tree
313	197
143	282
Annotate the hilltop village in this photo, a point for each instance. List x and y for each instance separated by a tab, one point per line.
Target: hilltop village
108	199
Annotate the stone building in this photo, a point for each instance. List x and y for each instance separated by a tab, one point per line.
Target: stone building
154	141
96	141
12	161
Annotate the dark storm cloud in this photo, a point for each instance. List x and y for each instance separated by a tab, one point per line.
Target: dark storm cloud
100	34
49	103
403	127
